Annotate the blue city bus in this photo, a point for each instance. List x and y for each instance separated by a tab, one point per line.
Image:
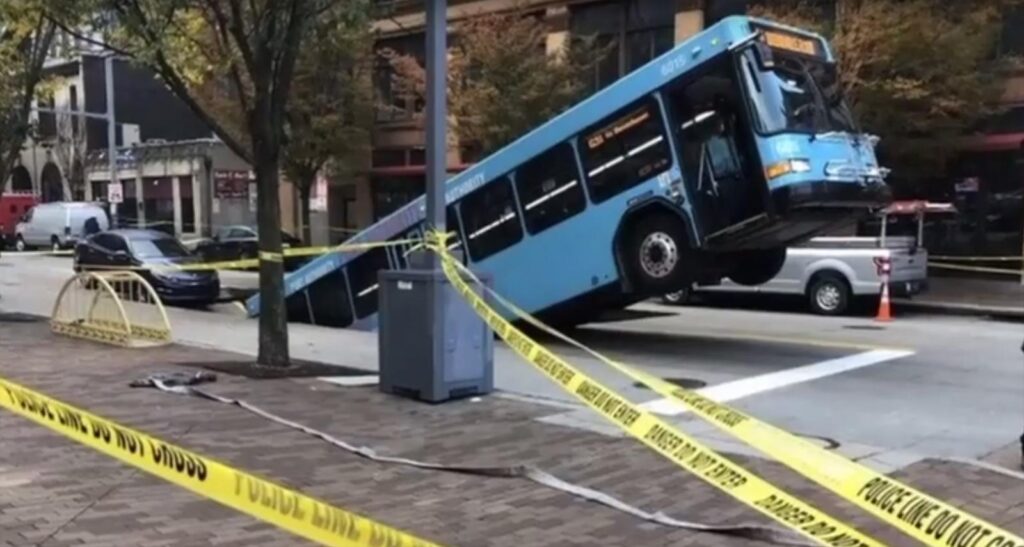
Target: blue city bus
704	164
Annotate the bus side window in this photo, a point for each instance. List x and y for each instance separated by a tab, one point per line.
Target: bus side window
362	273
328	300
490	219
454	230
549	188
415	232
625	150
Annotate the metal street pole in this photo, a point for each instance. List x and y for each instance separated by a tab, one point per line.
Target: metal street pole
111	133
432	346
437	151
437	145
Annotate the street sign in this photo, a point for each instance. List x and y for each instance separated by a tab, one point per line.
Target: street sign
115	192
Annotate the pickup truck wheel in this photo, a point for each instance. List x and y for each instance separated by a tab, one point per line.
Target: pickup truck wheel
19	244
54	244
829	294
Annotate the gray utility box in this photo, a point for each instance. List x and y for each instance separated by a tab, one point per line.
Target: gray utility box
410	363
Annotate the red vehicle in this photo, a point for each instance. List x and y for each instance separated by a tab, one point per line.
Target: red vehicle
12	207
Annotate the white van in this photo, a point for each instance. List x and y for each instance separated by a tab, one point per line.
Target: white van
57	225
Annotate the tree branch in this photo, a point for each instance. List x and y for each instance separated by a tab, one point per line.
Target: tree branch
234	25
88	39
221	24
162	66
285	68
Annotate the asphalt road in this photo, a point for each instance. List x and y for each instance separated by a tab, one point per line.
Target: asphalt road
921	386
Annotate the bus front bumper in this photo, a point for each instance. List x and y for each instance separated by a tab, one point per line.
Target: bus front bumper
831	195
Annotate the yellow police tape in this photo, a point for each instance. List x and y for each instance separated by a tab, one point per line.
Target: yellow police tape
921	516
295	512
264	256
660	436
979	269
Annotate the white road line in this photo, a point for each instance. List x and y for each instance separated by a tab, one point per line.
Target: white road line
730	391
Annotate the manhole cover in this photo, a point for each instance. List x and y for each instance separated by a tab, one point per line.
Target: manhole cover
685	383
864	327
14	317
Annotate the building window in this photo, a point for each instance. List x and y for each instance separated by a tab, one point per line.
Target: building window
388	157
549	188
1011	42
391	193
158	202
392	104
636	31
625	150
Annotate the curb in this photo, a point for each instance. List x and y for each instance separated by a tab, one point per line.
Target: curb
963	309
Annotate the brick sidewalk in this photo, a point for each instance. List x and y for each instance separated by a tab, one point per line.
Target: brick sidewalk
54	492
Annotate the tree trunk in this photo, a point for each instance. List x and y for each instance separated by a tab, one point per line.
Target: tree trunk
305	192
273	331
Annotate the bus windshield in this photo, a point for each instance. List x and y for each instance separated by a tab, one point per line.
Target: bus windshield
797	93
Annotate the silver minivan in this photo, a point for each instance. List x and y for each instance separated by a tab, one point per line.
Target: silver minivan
58	225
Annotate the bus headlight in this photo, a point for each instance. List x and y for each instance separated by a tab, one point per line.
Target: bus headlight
786	167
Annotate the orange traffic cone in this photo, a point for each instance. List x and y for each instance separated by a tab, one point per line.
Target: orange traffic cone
884	306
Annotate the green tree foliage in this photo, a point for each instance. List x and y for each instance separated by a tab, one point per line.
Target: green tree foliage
25	37
330	116
502	80
919	73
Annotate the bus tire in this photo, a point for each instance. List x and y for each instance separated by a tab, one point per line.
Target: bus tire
655	254
758	267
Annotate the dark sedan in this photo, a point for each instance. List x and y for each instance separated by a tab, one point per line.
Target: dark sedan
150	253
241	243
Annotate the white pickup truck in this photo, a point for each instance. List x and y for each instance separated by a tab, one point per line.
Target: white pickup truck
831	271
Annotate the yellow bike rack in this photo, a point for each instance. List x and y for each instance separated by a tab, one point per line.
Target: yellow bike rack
117	307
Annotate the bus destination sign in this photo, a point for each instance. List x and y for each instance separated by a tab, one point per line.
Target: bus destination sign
795	43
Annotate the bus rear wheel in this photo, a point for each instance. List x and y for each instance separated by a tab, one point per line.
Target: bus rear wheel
656	253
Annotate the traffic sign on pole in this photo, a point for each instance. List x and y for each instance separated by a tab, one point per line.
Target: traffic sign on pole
115	192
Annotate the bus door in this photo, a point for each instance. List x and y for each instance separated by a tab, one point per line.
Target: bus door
716	147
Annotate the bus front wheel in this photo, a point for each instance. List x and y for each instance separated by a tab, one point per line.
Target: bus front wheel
656	251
